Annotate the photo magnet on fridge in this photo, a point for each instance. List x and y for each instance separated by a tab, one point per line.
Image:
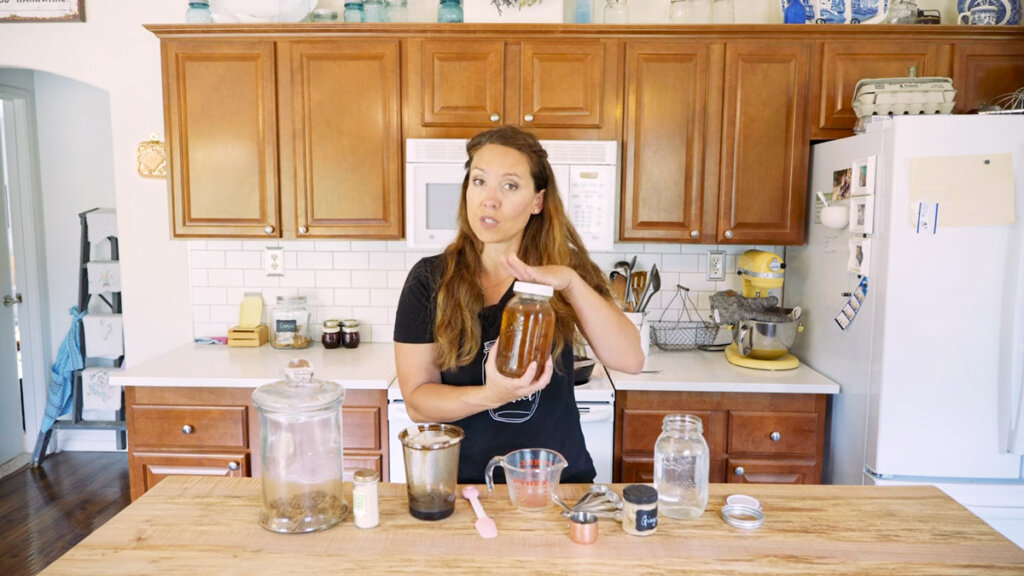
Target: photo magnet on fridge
862	214
863	177
840	185
859	261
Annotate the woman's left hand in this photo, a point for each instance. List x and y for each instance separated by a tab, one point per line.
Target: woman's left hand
558	277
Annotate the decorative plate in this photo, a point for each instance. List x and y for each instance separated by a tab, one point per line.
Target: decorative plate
1008	11
846	11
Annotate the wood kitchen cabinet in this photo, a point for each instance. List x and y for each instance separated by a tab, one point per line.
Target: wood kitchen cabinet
984	70
215	432
555	88
773	438
284	138
716	142
840	65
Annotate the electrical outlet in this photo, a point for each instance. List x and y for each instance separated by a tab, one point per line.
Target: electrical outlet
273	260
716	265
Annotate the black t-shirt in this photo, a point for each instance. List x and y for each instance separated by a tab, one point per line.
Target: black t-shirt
547	419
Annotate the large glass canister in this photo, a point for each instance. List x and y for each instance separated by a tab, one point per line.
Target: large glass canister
527	329
681	467
301	451
289	323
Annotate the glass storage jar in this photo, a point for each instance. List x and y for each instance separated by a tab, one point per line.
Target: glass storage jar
616	12
353	11
198	12
396	11
681	467
301	451
289	323
527	329
373	11
450	11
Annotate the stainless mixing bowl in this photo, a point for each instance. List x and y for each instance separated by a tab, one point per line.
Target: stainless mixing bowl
765	340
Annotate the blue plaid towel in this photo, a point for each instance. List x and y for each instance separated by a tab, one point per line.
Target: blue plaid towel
69	359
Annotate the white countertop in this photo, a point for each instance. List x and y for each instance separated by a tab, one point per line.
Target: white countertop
371	366
700	371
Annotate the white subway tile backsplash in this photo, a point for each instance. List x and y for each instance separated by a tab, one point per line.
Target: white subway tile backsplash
242	259
364	279
314	261
351	260
207	258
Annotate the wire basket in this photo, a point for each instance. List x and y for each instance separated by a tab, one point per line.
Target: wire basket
680	334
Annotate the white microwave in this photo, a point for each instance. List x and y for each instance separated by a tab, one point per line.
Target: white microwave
586	172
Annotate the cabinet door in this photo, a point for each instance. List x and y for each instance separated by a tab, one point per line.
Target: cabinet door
763	174
664	139
772	471
843	64
982	71
566	84
148	468
455	84
341	145
221	124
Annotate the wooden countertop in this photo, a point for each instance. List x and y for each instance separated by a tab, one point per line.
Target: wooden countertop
371	366
701	371
194	525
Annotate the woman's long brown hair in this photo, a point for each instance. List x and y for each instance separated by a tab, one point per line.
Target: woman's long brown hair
549	238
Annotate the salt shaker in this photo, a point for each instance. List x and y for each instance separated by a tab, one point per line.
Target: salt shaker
365	509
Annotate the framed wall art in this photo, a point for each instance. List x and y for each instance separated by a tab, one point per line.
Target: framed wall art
42	11
863	181
862	214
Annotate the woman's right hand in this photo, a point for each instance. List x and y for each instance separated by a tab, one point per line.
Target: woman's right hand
501	389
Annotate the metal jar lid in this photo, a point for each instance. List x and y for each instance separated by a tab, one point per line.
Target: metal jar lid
299	392
742	516
365	475
640	494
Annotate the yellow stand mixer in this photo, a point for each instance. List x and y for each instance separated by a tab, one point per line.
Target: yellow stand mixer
758	344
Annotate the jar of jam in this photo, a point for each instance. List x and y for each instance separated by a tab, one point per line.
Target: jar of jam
331	334
527	329
350	333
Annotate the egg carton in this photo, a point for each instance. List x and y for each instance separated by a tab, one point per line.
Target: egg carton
911	95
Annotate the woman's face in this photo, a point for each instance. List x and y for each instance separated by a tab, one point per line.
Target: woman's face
500	197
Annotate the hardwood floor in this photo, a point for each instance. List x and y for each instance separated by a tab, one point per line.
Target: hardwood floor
47	510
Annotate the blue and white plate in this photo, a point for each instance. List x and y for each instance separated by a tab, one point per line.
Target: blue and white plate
846	11
1008	11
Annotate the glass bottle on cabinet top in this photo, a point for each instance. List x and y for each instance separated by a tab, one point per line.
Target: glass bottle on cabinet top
450	11
396	11
373	11
198	12
616	12
353	12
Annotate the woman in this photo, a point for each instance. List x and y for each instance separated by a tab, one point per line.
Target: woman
511	226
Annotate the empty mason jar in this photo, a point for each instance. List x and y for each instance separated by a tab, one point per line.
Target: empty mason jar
396	11
450	11
353	11
681	467
373	11
616	12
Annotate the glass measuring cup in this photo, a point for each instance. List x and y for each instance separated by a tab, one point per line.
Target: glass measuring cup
532	475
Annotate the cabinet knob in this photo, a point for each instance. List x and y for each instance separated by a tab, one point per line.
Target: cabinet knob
268	229
186	429
727	234
303	230
694	234
528	118
738	471
233	466
775	436
495	117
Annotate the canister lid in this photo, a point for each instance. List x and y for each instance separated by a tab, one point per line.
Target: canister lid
640	494
365	475
535	289
742	516
298	392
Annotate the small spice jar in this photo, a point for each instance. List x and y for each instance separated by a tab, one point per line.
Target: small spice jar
365	509
331	334
350	333
639	510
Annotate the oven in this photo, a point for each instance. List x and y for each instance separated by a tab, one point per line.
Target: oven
596	403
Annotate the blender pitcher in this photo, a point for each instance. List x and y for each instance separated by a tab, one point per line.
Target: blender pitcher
301	451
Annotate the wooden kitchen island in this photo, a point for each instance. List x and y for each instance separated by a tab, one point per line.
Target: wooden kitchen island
202	525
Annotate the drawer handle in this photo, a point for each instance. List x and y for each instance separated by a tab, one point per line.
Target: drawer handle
268	229
528	117
303	230
775	436
694	234
186	429
738	471
233	466
727	234
495	117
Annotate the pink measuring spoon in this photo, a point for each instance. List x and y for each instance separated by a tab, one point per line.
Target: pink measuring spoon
484	525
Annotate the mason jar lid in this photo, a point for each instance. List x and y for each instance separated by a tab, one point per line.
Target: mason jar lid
365	475
640	494
350	323
298	392
331	329
535	289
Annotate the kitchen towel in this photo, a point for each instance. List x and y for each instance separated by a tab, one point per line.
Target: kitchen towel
104	335
97	393
104	276
102	224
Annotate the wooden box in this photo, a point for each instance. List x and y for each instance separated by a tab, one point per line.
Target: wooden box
248	337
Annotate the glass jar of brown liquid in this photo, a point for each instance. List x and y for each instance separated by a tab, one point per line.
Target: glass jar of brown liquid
527	329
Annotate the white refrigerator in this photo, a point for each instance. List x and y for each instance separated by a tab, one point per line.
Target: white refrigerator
930	366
